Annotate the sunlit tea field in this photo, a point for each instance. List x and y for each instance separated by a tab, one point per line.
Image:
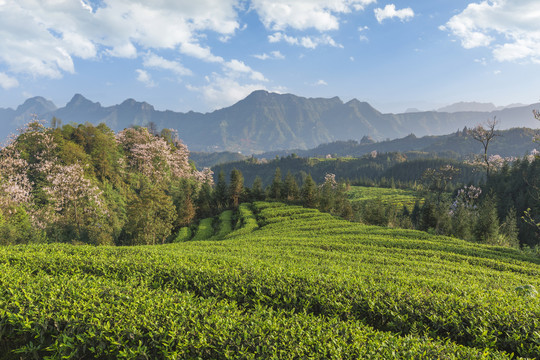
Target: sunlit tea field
272	281
396	197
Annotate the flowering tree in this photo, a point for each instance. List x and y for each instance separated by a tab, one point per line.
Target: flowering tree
484	135
77	202
157	158
15	187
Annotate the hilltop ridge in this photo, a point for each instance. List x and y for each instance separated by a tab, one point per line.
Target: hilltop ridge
266	121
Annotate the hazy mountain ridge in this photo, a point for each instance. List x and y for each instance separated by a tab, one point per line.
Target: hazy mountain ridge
266	121
514	142
465	106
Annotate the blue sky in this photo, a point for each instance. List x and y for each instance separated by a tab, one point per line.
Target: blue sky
206	54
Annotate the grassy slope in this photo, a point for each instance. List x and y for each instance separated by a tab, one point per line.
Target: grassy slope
397	197
304	283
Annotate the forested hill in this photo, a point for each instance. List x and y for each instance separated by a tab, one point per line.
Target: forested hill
515	142
265	121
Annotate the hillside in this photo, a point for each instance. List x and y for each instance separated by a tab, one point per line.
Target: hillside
266	121
301	284
370	169
515	142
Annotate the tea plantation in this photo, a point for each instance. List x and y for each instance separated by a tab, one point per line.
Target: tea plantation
272	281
389	196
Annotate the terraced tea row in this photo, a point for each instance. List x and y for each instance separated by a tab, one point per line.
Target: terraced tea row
395	197
302	264
221	227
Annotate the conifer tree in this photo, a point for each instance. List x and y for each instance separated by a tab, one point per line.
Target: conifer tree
236	187
257	192
509	229
309	193
486	229
290	188
221	193
182	193
276	186
204	201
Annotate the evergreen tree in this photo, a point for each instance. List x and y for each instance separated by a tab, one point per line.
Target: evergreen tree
221	193
276	186
309	193
182	193
257	192
290	188
374	213
486	229
509	230
428	216
236	188
462	222
204	201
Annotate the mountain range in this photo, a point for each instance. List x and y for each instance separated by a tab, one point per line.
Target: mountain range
266	121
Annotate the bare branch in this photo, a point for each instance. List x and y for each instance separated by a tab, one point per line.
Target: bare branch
484	133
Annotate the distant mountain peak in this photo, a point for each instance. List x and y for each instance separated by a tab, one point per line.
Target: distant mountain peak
79	101
468	106
37	105
132	103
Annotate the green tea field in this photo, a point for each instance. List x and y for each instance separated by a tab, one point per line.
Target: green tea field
272	281
397	197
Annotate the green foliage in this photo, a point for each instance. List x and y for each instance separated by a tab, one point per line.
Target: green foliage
16	228
309	193
205	230
257	191
275	188
486	229
184	234
304	285
246	222
291	192
221	199
225	224
236	188
150	216
370	171
84	184
395	197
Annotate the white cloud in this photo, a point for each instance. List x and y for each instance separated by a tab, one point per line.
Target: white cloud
154	61
390	12
197	51
321	83
273	55
322	15
509	28
224	91
310	42
236	67
7	82
41	38
144	77
363	37
481	61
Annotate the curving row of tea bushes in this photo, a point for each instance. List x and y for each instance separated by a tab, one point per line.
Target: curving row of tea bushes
74	316
308	273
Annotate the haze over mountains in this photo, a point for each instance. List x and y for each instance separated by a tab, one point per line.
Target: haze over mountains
266	121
